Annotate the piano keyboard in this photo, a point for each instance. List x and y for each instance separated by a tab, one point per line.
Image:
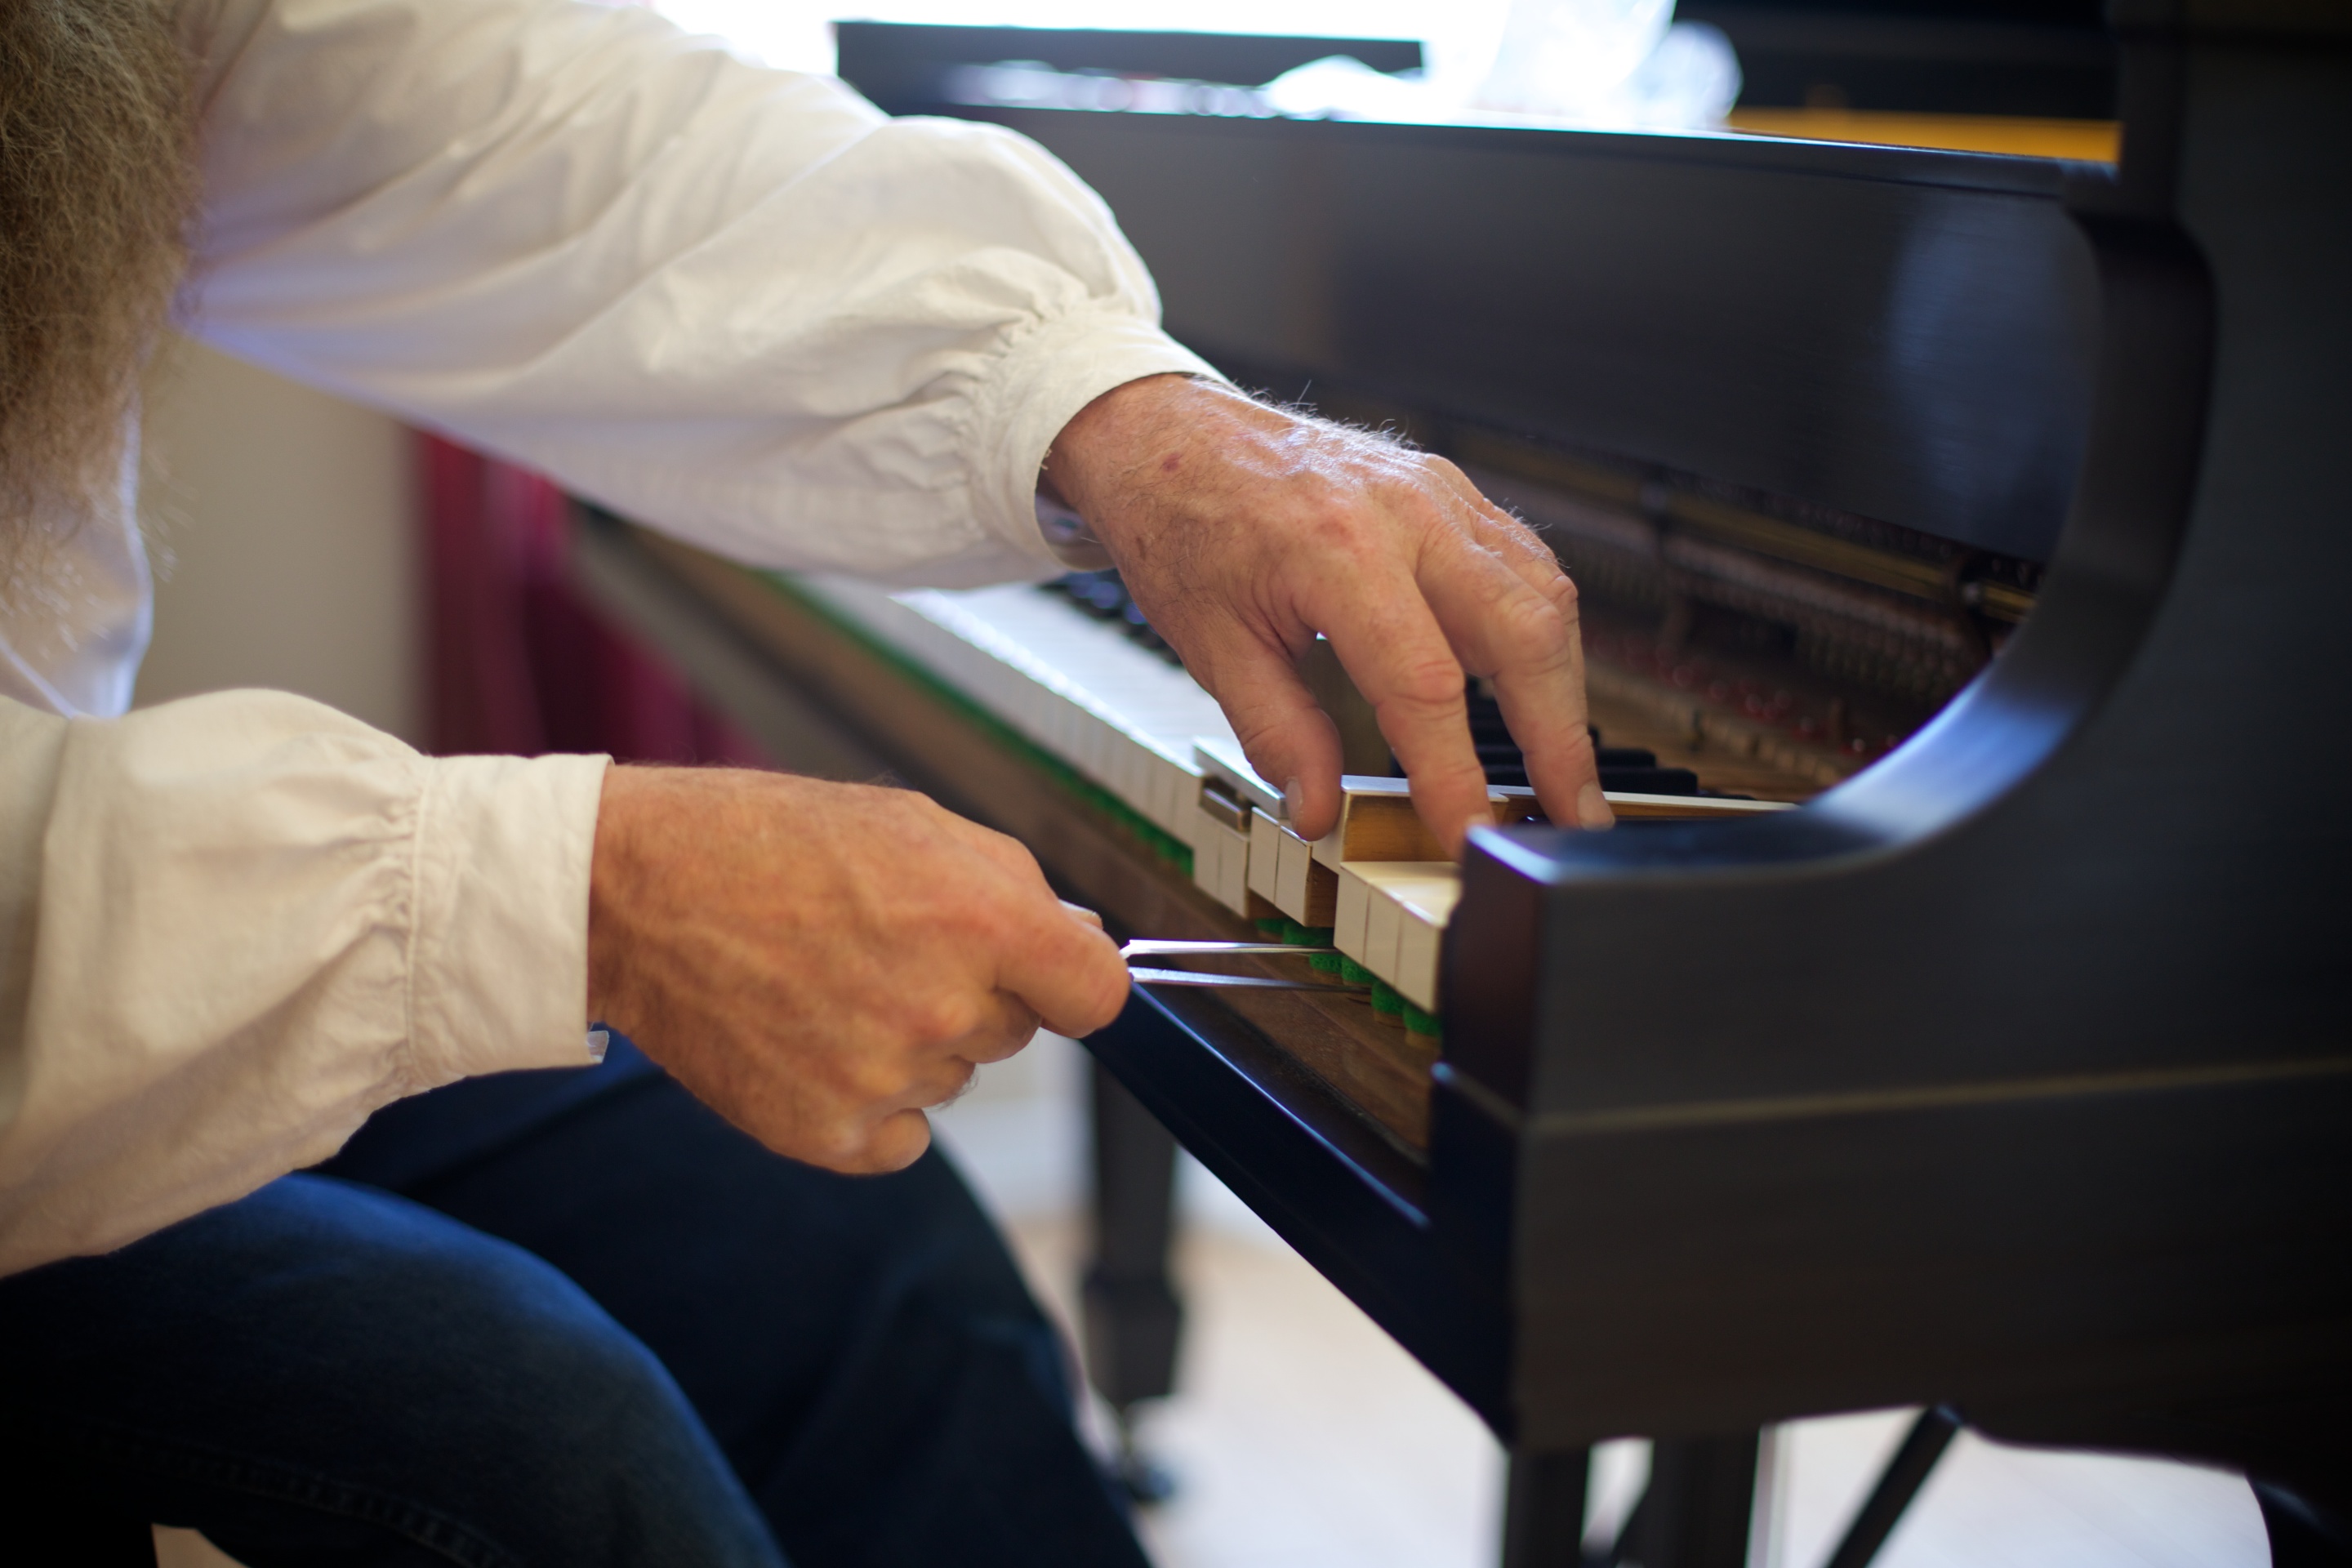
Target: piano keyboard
1133	724
1123	717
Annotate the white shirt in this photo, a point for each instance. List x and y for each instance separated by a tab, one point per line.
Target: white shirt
739	304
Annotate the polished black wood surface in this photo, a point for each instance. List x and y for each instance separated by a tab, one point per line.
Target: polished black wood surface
2016	1069
2014	1073
1899	334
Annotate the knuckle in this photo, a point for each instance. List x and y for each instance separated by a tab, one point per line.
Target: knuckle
1335	530
871	1080
1011	855
1529	623
937	1021
1010	1039
1428	681
1259	731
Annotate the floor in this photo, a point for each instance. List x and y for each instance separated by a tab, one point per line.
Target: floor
1300	1436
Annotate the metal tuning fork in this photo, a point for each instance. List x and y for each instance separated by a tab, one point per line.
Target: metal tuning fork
1146	948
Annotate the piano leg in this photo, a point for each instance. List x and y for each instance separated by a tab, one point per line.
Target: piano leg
1905	1474
1543	1509
1131	1316
1697	1511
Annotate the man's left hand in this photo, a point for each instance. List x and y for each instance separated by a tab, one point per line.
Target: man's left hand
1242	530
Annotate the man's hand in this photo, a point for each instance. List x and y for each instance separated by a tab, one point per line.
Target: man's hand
1242	530
818	962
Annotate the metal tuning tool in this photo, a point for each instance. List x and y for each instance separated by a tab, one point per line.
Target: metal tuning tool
1135	949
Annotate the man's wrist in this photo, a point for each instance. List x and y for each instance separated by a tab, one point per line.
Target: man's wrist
613	866
1122	436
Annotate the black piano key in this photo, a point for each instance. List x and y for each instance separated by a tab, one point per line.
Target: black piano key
1625	768
1650	781
1105	597
1628	768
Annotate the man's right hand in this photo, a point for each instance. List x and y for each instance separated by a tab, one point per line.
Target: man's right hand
819	962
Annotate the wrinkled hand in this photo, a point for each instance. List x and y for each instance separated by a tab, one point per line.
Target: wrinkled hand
1243	531
819	962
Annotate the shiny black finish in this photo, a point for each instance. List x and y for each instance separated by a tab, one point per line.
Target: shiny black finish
1133	1317
2015	1073
1905	335
1543	1510
1696	1510
1334	1186
2017	1070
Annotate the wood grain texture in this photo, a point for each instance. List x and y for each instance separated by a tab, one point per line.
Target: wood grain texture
1385	826
939	747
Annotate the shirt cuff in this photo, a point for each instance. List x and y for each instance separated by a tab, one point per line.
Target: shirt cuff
1045	379
499	962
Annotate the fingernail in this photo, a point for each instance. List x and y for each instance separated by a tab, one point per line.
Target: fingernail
1593	808
1294	799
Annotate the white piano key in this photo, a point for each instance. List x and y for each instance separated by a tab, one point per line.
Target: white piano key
1124	718
1233	881
1381	938
1349	931
1221	754
1221	863
1406	906
1265	851
1172	788
1302	890
1208	854
1422	911
1136	772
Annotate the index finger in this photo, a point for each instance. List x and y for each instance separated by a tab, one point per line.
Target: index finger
1392	646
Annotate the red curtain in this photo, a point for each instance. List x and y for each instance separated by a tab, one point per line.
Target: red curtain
519	662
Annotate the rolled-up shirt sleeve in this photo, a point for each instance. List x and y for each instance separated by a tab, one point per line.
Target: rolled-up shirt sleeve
232	927
740	304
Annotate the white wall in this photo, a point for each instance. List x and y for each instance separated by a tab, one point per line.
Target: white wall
281	524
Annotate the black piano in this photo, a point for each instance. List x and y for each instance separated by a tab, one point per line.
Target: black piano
1995	507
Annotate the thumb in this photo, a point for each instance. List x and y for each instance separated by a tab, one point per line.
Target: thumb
1067	973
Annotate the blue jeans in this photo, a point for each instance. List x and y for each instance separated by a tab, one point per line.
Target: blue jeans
563	1319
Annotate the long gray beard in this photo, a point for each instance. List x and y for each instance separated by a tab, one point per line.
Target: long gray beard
97	186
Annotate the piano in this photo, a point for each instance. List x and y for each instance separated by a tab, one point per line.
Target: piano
1964	543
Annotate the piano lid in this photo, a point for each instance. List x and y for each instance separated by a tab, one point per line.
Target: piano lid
1895	333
